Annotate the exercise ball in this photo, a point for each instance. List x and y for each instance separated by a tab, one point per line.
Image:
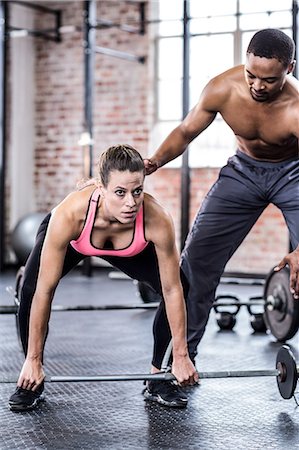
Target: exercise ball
23	235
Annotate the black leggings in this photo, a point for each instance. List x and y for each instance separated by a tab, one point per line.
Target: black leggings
142	267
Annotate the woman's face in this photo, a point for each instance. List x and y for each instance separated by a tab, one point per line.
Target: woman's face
123	196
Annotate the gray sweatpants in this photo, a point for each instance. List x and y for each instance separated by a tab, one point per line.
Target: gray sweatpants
243	190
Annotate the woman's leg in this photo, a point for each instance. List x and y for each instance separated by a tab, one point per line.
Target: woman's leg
144	267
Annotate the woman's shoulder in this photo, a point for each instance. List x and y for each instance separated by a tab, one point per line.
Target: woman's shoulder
152	205
76	202
154	212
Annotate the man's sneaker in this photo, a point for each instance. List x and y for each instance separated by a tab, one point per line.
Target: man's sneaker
166	393
25	400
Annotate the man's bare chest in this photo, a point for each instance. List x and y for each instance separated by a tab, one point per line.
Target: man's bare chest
269	125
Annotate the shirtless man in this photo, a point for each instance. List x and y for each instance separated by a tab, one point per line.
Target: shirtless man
260	103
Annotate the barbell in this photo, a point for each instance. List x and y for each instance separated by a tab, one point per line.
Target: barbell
286	373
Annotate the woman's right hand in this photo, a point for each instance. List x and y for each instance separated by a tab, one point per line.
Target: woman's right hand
32	375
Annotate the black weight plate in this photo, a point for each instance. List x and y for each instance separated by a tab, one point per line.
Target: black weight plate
283	321
286	359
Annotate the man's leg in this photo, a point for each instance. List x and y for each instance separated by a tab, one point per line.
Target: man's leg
227	214
285	195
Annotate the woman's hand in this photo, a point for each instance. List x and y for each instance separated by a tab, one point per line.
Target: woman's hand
184	371
32	375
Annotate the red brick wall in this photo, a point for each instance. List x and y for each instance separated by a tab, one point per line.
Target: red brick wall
121	88
123	112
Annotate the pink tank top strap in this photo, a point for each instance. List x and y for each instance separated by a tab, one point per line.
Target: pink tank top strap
92	209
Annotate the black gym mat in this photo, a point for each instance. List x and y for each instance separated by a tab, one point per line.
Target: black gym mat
222	414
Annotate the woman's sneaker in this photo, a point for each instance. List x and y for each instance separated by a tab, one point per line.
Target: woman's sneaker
25	400
166	393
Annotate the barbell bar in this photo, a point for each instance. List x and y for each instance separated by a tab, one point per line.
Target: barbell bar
286	374
13	309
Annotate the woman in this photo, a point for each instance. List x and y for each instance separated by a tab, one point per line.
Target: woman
112	218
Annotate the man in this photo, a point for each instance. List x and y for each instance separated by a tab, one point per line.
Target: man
260	103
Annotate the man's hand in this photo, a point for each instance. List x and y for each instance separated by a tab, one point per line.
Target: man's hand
184	371
292	260
32	375
150	166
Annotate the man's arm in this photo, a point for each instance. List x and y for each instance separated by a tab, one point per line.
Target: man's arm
198	119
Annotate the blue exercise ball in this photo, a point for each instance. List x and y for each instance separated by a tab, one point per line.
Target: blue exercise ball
24	233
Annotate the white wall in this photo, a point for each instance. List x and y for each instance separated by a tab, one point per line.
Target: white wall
21	132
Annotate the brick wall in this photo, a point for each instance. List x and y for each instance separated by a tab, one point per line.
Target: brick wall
120	98
123	112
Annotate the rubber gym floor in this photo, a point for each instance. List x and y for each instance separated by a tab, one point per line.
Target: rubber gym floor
246	413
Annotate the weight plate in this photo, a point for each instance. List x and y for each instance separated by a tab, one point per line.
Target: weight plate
287	382
283	320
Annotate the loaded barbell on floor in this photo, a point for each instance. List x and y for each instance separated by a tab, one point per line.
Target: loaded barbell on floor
286	373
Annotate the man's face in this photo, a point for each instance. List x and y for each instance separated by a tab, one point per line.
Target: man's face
265	77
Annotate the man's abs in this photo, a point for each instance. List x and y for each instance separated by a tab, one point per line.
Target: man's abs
260	150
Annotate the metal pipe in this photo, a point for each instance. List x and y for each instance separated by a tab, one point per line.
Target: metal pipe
89	68
185	170
89	63
166	376
162	376
3	65
12	309
119	54
295	33
22	32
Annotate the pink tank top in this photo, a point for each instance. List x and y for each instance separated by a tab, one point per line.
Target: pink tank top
84	246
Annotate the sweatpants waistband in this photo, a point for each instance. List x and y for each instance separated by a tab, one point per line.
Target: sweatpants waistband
264	164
